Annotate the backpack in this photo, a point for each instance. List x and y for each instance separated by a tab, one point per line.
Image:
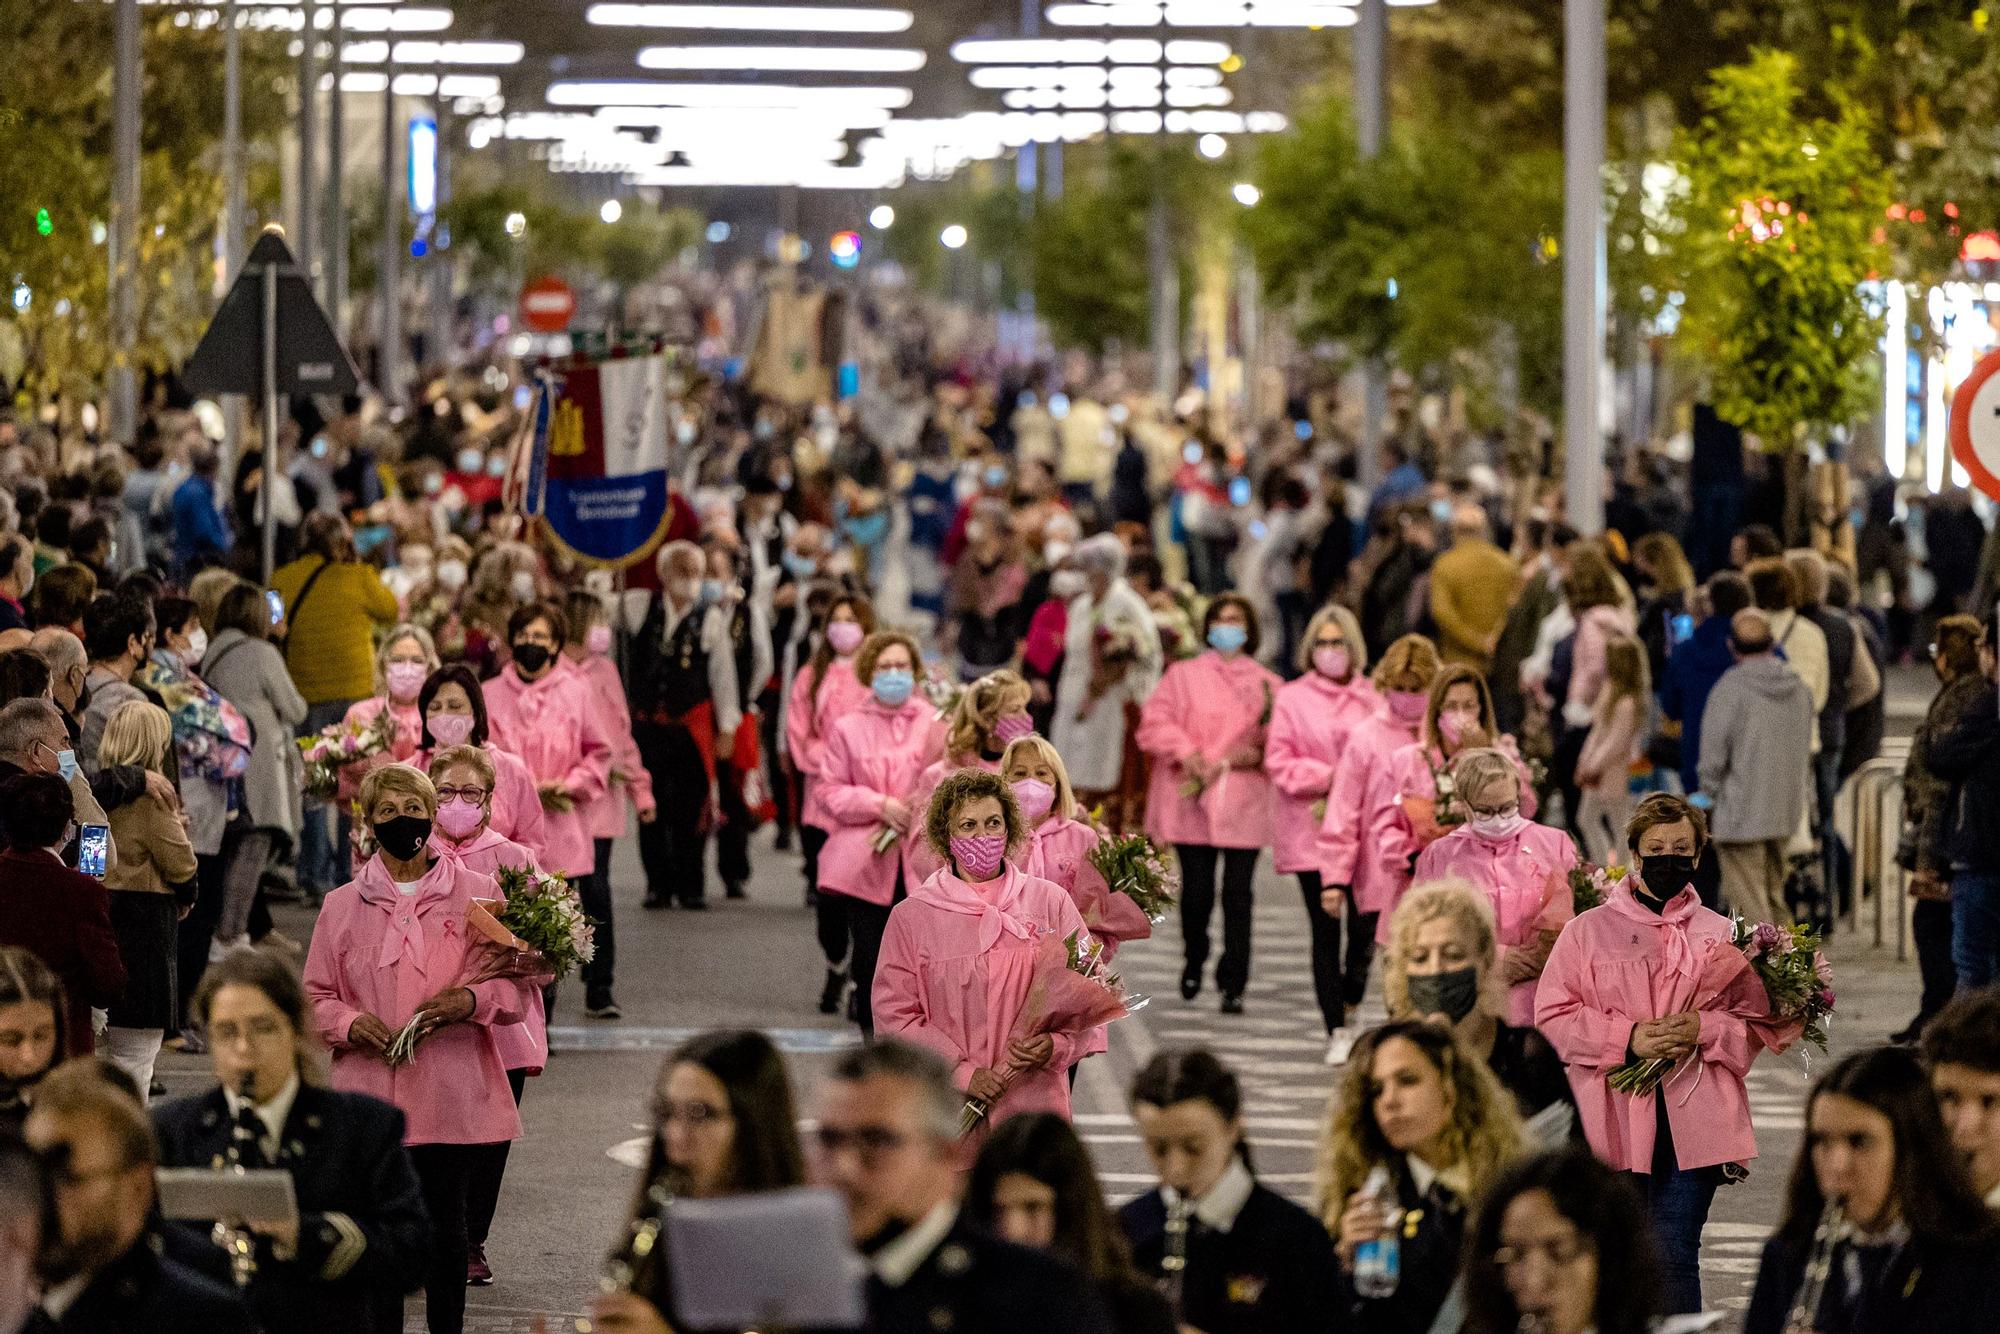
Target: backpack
1864	680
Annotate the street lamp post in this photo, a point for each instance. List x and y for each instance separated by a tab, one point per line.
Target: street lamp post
232	201
122	237
1583	262
335	238
1371	115
308	255
388	372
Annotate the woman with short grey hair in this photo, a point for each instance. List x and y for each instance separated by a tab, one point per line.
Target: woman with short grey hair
1111	662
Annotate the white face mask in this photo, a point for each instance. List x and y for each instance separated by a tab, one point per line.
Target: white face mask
451	575
197	647
523	586
1067	584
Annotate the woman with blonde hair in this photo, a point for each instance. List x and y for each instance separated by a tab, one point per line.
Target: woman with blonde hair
1522	868
1417	1130
958	956
1357	879
1666	593
1311	722
1061	840
1616	740
403	663
152	887
1442	962
991	714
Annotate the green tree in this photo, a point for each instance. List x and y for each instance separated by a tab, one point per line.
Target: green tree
1780	228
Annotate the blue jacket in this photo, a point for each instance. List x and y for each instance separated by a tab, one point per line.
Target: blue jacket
199	534
1692	671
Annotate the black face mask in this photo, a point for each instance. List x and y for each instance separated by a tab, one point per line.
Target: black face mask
1452	994
403	837
531	658
82	699
1665	874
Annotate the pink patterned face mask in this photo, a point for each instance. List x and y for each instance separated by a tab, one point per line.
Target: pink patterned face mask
845	636
1408	705
1012	728
460	818
404	680
598	639
980	857
450	729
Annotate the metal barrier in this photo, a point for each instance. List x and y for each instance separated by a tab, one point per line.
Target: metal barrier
1864	793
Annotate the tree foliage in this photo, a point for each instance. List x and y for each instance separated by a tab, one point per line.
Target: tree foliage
1781	227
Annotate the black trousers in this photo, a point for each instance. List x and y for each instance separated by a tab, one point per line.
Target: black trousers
732	838
1239	870
445	1172
831	916
482	1195
863	925
774	767
1930	927
198	927
673	847
595	893
1337	982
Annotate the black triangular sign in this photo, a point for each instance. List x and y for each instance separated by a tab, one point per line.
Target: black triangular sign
230	357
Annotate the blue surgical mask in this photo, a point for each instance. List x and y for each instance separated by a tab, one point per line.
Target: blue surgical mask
995	475
711	590
892	686
1226	638
66	764
1441	511
801	567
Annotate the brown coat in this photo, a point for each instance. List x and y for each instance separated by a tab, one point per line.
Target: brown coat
154	853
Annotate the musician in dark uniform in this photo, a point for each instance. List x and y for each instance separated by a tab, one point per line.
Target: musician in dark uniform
738	771
103	1265
888	1139
1233	1256
686	706
362	1237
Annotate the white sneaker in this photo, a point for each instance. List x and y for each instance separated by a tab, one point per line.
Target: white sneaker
220	949
1339	1045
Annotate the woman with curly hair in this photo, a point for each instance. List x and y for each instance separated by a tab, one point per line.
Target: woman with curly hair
990	715
1417	1131
959	954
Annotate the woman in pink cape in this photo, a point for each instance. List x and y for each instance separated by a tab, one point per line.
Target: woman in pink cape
1360	879
1423	804
1061	840
391	948
454	713
959	955
872	760
1311	723
1624	982
541	709
588	653
463	833
1521	867
407	657
1204	726
991	713
824	690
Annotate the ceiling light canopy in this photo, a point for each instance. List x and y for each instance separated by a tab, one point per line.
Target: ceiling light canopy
750	18
825	59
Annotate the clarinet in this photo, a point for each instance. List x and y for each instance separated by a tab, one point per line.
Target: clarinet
1173	1264
632	1266
227	1233
1827	1235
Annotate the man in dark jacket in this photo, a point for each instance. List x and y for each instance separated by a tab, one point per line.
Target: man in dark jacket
103	1268
888	1133
1968	757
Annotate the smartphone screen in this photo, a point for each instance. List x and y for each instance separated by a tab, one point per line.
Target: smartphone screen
1682	628
276	604
92	841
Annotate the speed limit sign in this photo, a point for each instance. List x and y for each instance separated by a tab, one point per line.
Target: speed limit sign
1975	424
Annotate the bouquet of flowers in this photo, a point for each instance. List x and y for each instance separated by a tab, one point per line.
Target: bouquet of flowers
1793	976
1589	885
340	745
940	690
886	837
1071	991
1437	813
1114	648
1134	867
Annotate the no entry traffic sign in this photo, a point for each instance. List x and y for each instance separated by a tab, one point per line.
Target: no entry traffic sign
547	305
1975	424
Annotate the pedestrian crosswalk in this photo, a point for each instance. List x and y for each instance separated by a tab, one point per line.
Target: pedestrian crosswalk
1277	1047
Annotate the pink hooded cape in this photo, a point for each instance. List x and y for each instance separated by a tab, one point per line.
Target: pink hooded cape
1618	965
919	862
1410	772
376	951
408	736
523	1046
1311	723
1360	844
605	815
873	753
808	721
1208	706
957	960
551	726
1524	876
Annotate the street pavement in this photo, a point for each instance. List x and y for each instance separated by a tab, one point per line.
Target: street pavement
755	963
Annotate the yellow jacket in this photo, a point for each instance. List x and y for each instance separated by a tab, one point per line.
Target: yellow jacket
331	648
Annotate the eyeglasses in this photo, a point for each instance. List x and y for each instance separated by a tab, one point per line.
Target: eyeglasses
257	1030
1511	809
869	1143
476	795
1559	1252
694	1115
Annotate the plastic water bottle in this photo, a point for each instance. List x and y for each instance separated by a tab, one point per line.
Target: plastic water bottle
1378	1264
